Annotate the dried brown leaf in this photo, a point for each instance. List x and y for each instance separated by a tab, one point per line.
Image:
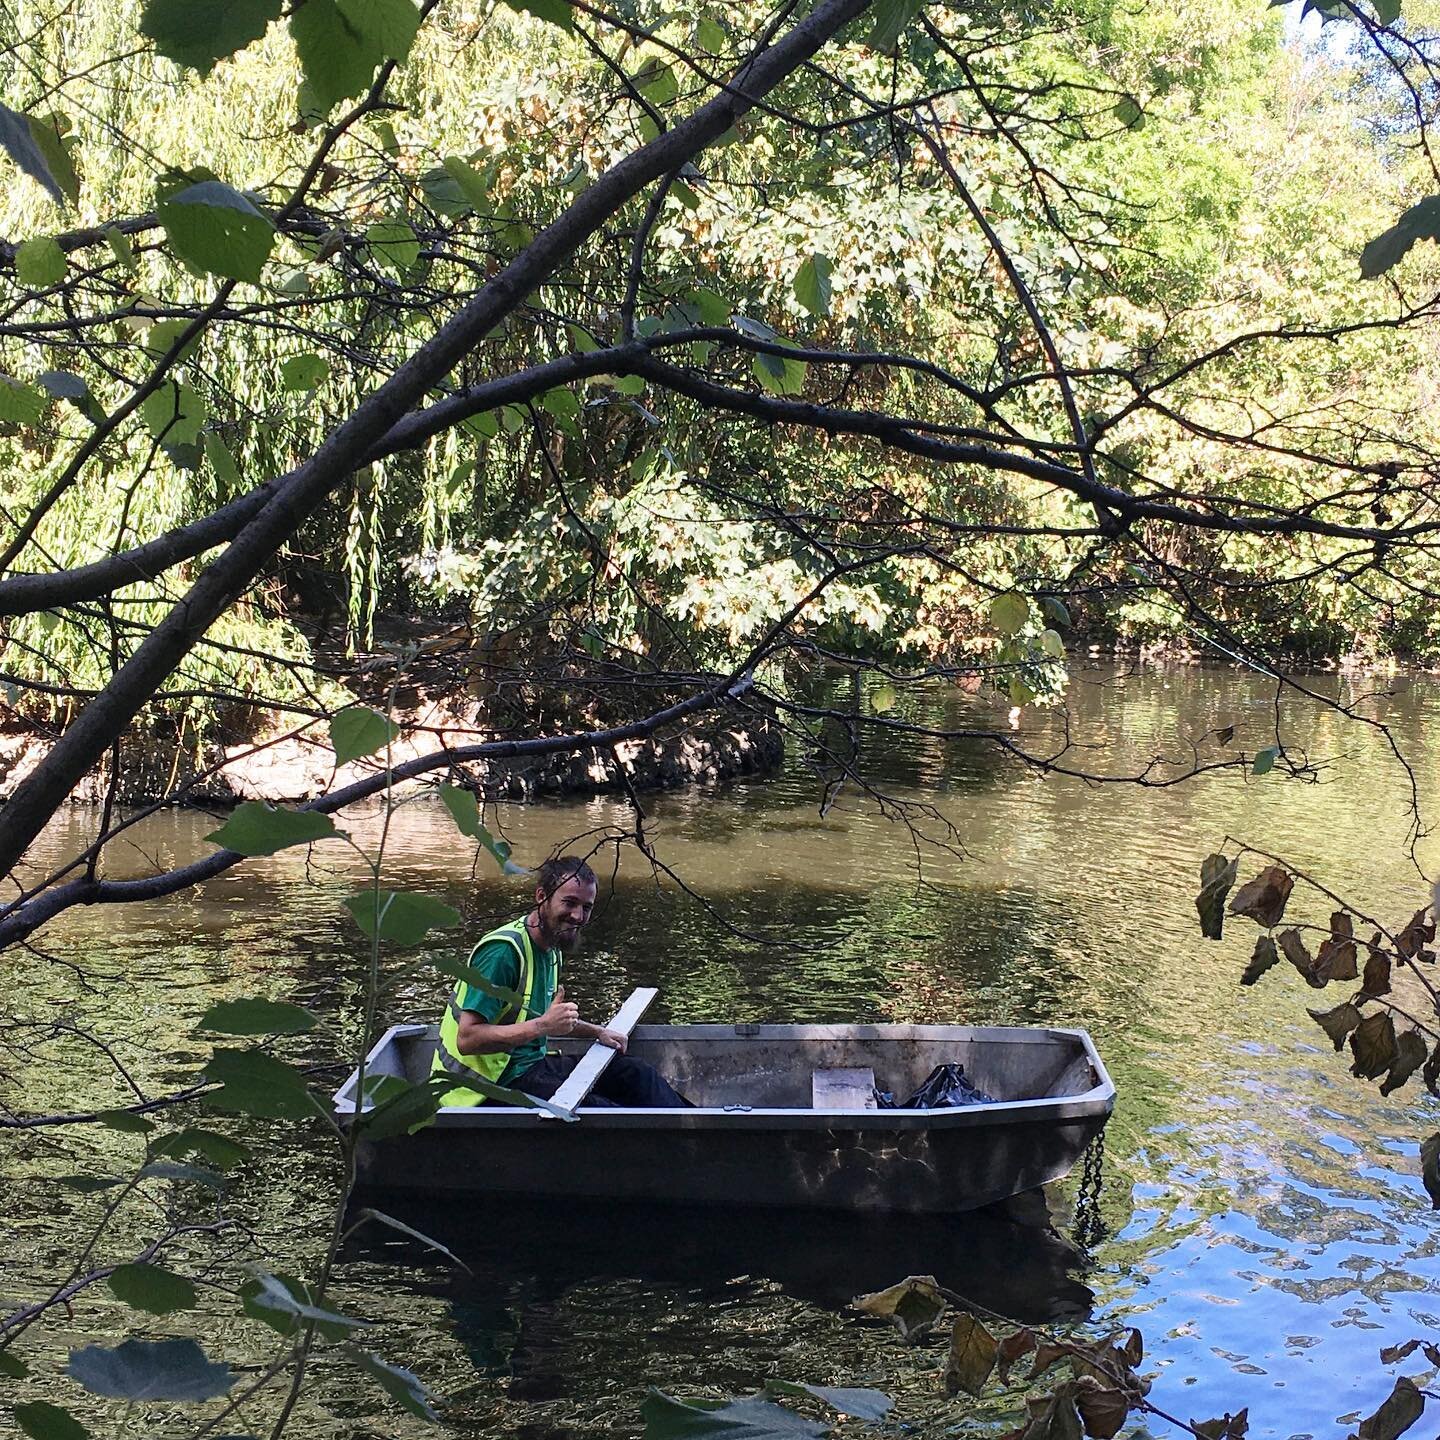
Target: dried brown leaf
1102	1412
1225	734
1430	1168
1263	898
1431	1073
1265	956
913	1306
1372	1043
1054	1417
1337	1023
1227	1427
1013	1347
1338	953
972	1356
1046	1355
1393	1353
1292	946
1410	1055
1217	875
1415	936
1396	1415
1376	980
1133	1348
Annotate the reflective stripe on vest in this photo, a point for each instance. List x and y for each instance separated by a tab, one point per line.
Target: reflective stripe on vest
448	1059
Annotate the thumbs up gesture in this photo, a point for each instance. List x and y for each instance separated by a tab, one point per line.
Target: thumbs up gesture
562	1016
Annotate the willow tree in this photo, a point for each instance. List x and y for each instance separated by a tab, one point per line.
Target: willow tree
909	298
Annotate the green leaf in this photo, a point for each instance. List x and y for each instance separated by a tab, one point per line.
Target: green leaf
257	1017
19	140
812	284
471	976
1052	644
304	372
357	731
267	1296
286	1304
339	61
399	915
583	341
464	809
710	36
219	1150
393	245
89	1184
125	1122
149	1370
389	26
891	17
174	413
402	1386
63	385
1055	611
222	462
557	12
882	699
1265	760
1387	12
43	1421
254	1083
161	338
474	184
149	1288
1010	612
1217	875
182	1174
21	404
667	1418
485	425
39	263
443	192
1129	112
400	1108
381	1218
862	1404
256	828
779	375
12	1366
121	248
215	228
198	33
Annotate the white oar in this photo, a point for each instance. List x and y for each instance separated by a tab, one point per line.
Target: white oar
582	1078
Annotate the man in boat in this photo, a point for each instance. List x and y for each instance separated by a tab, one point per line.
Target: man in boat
505	1043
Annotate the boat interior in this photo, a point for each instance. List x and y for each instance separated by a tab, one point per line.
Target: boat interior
810	1067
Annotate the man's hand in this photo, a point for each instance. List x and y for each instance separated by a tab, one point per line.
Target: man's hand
613	1038
561	1018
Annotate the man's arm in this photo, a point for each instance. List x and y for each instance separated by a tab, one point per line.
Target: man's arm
476	1037
613	1038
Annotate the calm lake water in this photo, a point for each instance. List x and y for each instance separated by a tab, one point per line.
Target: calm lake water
1269	1232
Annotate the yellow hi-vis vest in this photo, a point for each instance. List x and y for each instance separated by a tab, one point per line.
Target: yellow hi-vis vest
448	1059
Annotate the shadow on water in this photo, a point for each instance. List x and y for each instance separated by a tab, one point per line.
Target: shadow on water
1008	1257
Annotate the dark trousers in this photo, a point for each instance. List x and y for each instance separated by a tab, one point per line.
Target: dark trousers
627	1082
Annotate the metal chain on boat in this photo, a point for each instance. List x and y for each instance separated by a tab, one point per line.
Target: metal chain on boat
1089	1227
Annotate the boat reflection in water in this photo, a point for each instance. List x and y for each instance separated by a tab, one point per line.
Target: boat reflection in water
527	1256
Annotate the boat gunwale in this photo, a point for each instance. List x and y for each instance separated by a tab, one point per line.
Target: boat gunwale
1097	1101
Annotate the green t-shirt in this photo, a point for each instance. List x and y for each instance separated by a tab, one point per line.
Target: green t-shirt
499	963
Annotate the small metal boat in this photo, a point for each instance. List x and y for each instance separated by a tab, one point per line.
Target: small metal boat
783	1118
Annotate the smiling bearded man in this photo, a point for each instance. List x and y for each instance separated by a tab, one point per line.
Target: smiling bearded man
485	1035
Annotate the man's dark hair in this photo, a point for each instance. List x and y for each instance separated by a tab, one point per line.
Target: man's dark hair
564	868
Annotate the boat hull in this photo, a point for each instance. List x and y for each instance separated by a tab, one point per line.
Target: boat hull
777	1155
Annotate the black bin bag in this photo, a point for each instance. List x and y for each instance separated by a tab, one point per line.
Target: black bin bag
944	1087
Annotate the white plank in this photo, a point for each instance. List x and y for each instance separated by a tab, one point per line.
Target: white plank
582	1078
841	1089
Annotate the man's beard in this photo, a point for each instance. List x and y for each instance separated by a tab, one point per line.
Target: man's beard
567	942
